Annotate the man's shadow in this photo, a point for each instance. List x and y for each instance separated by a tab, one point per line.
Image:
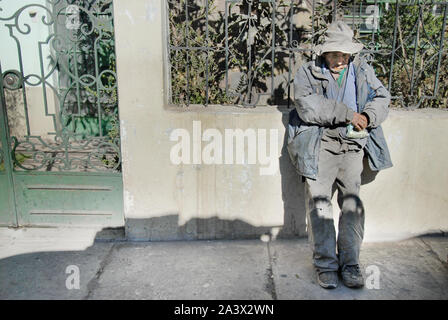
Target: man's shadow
293	191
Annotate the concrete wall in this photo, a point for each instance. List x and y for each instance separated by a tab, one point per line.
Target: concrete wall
39	123
165	201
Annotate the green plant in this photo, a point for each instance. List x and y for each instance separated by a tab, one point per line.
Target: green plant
240	46
258	30
414	69
193	71
94	56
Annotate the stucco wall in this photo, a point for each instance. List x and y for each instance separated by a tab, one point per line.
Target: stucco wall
164	200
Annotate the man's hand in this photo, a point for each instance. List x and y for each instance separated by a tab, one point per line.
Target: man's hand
359	121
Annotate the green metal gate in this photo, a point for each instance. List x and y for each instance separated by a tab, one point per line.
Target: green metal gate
60	160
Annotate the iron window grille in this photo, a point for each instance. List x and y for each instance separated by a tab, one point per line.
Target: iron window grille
246	52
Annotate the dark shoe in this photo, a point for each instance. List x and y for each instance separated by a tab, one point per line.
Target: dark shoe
352	276
328	280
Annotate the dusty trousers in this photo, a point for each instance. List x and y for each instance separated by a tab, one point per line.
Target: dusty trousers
340	166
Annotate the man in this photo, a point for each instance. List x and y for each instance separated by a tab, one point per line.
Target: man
340	105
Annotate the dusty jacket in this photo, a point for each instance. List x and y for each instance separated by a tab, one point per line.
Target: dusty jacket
314	112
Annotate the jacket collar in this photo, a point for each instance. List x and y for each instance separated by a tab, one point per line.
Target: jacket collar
316	69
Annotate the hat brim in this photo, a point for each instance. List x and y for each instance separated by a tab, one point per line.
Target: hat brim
350	48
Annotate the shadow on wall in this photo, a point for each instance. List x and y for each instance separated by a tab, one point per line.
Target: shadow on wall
293	195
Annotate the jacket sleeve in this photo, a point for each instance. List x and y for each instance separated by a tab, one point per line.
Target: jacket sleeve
313	107
376	109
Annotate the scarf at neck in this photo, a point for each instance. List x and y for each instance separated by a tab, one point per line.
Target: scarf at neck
342	91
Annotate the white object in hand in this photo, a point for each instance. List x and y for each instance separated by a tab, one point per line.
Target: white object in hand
352	134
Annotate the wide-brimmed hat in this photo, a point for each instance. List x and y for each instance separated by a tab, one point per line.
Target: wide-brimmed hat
338	37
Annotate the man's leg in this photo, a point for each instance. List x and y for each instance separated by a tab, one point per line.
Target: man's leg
318	193
351	221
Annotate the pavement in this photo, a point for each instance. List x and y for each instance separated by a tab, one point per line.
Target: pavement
81	264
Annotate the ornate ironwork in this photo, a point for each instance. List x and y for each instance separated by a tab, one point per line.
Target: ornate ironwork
245	52
12	79
76	77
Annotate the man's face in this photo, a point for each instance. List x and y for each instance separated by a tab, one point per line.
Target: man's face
336	61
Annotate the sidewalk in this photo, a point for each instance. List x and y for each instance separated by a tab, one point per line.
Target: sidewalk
248	269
